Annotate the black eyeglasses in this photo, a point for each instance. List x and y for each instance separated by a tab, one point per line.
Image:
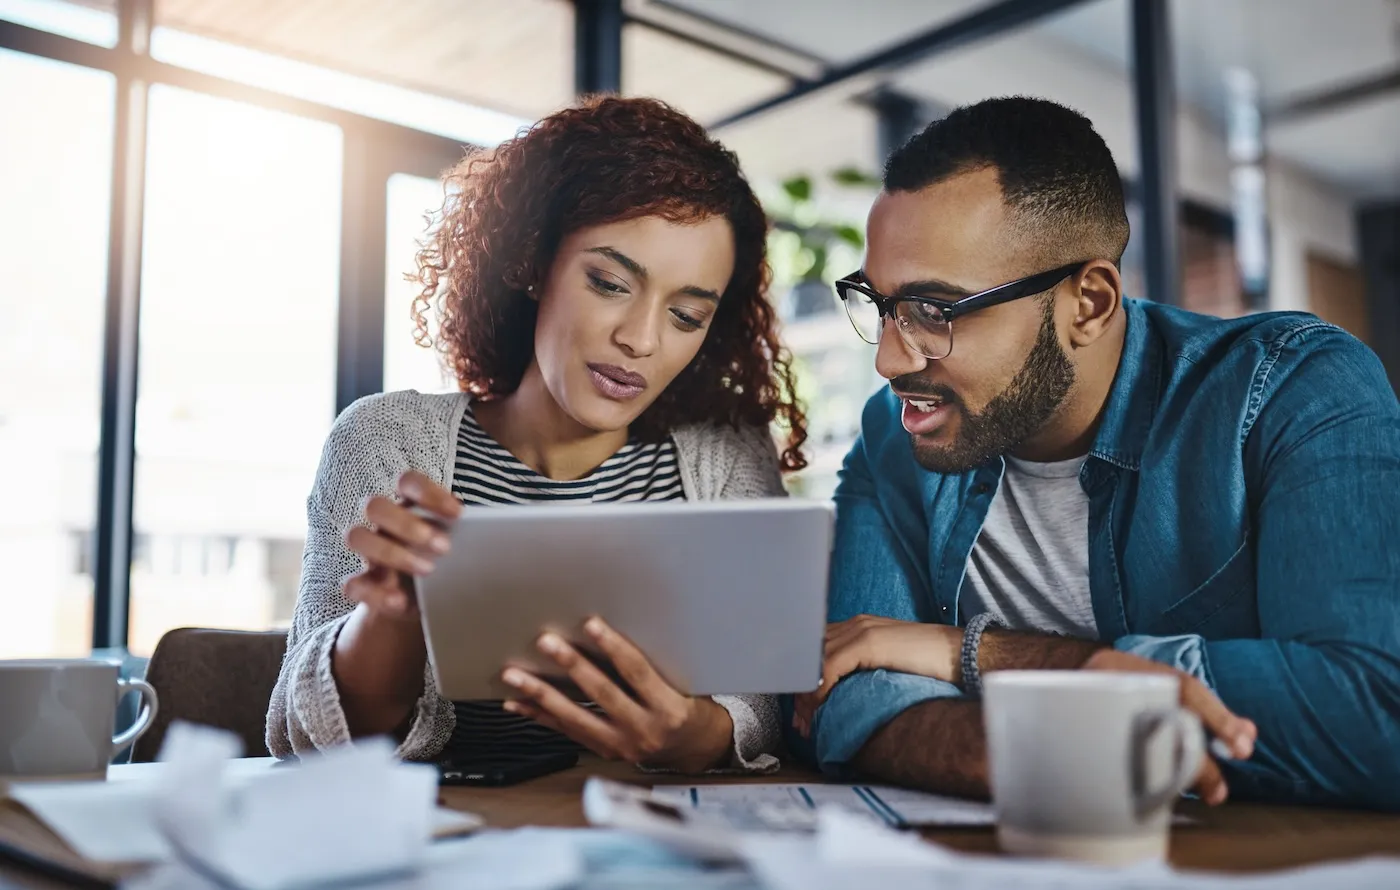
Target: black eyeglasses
926	323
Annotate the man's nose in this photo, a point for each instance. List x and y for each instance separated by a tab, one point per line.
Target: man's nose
893	355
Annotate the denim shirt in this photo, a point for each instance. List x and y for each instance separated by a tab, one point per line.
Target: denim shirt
1244	526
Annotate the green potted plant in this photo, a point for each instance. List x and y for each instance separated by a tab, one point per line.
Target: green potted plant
798	214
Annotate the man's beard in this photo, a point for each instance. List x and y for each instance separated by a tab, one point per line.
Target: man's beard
1019	412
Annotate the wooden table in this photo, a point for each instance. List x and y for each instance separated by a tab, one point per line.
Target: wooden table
1235	837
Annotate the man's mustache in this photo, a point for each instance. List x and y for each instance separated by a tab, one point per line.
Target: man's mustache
911	386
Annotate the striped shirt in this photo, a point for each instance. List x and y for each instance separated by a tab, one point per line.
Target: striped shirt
486	474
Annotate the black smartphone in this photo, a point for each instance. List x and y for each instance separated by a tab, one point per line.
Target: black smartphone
499	772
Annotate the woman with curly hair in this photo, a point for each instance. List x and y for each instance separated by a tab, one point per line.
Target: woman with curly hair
600	284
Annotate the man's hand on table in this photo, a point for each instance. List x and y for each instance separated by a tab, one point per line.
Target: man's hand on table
1237	733
868	642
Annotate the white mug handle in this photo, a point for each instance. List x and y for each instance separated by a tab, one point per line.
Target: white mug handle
149	705
1190	747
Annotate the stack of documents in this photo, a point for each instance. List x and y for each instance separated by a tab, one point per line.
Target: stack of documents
351	814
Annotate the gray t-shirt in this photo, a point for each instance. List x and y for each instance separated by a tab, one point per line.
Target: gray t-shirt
1030	565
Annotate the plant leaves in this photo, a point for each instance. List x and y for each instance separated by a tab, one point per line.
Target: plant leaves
799	188
854	176
851	235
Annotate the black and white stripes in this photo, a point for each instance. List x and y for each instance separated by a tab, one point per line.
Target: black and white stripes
486	474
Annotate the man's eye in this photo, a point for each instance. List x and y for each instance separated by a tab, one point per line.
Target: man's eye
924	313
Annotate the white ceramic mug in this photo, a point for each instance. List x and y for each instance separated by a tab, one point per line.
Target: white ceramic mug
57	717
1087	764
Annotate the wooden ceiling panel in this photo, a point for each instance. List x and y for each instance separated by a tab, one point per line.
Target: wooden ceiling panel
514	56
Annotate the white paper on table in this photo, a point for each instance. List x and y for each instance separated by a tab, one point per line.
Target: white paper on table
349	812
893	806
896	807
855	853
491	861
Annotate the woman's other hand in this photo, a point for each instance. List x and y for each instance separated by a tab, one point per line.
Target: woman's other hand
658	726
396	542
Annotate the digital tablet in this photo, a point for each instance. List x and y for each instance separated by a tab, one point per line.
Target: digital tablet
722	596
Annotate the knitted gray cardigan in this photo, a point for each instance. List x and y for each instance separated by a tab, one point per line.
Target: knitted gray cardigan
371	444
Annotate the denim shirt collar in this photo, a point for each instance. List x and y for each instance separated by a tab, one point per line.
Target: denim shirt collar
1132	401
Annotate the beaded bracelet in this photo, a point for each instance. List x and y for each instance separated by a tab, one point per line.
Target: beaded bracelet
971	641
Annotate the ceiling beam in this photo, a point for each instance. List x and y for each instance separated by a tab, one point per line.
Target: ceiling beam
989	22
707	30
1335	96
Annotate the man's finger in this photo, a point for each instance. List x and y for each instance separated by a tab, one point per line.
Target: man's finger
836	666
1237	733
804	708
838	628
1210	783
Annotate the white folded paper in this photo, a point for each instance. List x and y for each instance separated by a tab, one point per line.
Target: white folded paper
353	813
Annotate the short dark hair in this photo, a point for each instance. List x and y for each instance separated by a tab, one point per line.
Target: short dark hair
1055	171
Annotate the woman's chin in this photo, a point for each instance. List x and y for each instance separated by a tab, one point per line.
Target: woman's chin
604	415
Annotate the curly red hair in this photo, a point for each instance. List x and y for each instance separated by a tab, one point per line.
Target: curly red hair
605	160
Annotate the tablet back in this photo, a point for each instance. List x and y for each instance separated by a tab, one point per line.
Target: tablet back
722	596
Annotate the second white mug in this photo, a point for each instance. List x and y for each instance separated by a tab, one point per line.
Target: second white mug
1087	764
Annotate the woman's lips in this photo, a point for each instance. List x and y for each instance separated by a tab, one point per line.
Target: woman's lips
616	383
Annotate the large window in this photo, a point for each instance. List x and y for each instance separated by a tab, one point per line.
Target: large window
237	367
413	202
92	21
55	192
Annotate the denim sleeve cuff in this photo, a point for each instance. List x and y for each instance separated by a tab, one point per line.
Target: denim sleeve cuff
1186	653
861	704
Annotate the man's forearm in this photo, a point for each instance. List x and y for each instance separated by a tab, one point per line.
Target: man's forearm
1005	650
938	746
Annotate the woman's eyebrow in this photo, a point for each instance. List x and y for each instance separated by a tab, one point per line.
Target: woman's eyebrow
640	271
701	292
621	259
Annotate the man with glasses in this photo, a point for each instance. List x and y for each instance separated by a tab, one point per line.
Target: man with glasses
1059	477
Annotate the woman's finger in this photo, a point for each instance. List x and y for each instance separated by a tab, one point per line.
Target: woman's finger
379	551
417	488
620	707
402	525
634	667
526	709
379	589
570	718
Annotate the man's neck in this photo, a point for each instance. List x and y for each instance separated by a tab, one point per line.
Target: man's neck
531	425
1070	433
